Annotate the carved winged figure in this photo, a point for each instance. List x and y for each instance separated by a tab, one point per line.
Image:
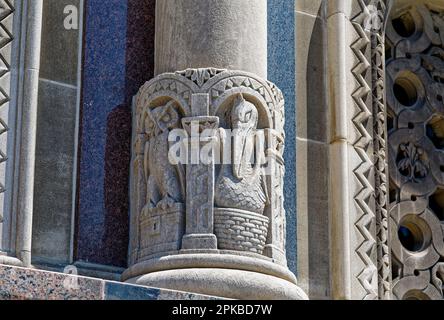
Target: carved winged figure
241	185
165	181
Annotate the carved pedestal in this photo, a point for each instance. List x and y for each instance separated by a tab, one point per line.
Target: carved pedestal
207	186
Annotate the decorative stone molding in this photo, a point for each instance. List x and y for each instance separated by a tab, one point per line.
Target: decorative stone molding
416	112
224	212
20	28
360	235
7	11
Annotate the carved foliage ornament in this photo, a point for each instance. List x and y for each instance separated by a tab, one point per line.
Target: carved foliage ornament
412	162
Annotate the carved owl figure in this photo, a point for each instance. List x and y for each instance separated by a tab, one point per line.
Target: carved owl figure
165	180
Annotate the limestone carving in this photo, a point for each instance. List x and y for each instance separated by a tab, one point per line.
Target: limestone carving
412	162
6	11
241	191
367	273
380	150
241	185
438	276
207	202
161	183
415	107
165	181
234	205
369	186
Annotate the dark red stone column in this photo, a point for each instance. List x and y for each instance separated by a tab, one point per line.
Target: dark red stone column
118	59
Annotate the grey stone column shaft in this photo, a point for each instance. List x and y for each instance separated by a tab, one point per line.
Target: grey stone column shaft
29	126
228	34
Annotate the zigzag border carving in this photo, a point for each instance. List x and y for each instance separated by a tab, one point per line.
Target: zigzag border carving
368	277
380	138
6	37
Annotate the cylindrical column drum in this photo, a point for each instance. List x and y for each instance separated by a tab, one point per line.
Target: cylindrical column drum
228	34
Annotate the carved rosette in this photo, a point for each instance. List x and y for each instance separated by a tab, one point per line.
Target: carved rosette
226	207
415	64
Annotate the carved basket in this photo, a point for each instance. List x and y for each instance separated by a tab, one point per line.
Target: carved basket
240	230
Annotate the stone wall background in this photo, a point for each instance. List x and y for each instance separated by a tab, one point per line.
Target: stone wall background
56	136
312	145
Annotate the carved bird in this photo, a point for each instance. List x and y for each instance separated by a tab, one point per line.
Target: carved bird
241	185
165	180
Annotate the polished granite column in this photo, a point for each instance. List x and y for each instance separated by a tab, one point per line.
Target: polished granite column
118	59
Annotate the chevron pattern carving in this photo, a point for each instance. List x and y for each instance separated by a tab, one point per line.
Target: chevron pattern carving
6	37
363	146
381	162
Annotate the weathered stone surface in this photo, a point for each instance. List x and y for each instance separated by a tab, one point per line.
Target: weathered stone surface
312	167
232	284
54	174
311	7
121	291
232	204
360	260
312	110
235	184
21	59
313	218
60	46
229	34
415	60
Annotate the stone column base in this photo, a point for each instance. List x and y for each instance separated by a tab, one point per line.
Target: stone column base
222	275
226	283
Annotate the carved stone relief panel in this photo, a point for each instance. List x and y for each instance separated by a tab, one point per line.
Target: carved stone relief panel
207	185
234	200
415	89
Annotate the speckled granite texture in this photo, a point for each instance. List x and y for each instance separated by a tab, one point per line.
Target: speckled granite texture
118	59
281	68
26	284
29	284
